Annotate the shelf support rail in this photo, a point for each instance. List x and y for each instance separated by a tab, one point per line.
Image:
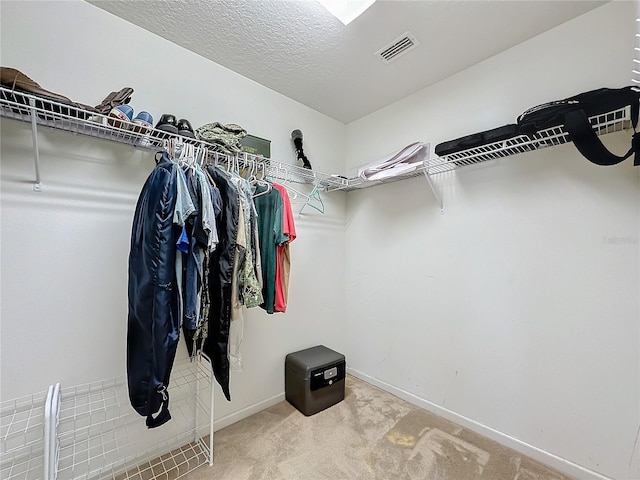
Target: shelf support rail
204	363
51	419
36	152
433	188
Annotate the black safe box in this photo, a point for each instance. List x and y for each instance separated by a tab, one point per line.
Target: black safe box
314	379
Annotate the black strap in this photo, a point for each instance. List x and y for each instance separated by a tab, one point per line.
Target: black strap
590	146
163	416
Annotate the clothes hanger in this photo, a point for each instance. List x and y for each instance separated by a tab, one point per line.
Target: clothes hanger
252	171
263	182
204	156
186	155
199	155
226	163
239	158
268	190
253	167
264	170
231	163
256	177
245	165
312	200
293	193
178	147
191	157
172	148
168	147
314	196
248	167
182	156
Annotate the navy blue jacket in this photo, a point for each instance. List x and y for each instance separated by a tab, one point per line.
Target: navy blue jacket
153	323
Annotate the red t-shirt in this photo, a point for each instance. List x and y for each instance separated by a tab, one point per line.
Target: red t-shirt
283	262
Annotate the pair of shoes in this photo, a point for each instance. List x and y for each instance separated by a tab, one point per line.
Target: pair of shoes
122	117
169	124
143	122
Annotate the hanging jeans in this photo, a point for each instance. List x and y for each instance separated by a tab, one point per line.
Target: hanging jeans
153	319
193	260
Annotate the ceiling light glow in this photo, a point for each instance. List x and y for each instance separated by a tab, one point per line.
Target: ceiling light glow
346	10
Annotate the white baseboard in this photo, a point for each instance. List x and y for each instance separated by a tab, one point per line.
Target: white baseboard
558	463
246	412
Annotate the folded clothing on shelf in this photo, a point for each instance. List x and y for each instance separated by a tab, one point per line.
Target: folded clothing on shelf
225	137
401	162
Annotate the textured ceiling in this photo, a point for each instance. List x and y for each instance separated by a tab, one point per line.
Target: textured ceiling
297	48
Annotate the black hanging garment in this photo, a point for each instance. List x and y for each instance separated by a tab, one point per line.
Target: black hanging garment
574	113
221	264
153	319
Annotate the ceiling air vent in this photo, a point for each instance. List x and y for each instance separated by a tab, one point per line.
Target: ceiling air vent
398	47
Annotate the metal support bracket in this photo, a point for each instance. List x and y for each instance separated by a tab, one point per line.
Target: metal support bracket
36	153
433	189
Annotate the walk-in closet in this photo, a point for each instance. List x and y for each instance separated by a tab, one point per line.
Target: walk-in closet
481	308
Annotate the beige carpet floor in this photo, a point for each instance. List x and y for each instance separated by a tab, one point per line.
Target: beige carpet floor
370	435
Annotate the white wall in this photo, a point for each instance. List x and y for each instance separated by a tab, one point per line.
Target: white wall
517	308
65	249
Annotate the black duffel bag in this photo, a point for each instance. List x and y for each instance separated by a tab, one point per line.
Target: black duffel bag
574	113
476	140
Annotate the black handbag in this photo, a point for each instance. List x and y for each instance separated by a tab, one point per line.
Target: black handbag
574	112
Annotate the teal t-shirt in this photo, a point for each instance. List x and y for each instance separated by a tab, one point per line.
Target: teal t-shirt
269	208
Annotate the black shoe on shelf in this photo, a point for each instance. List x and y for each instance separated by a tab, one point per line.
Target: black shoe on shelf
168	123
185	129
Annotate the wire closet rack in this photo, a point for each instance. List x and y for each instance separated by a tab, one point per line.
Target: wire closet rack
22	437
91	431
42	112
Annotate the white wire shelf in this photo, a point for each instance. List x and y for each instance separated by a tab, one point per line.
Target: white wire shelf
30	108
41	112
101	436
614	121
22	438
172	465
97	434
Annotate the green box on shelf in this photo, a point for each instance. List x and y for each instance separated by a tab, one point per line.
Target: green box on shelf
256	146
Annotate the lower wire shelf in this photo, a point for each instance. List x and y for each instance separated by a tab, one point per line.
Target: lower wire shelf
174	464
99	435
22	438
